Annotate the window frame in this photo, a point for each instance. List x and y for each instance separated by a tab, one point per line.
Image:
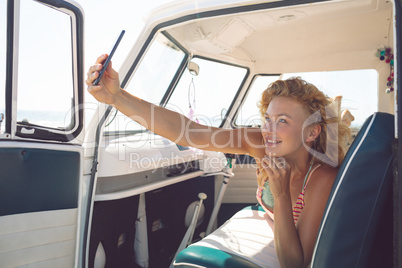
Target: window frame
175	80
111	112
243	100
226	117
14	129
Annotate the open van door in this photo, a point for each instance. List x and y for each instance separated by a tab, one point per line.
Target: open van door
41	156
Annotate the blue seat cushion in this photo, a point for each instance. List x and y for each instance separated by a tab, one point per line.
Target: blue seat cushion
211	258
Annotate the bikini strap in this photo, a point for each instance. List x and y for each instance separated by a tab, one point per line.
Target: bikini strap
308	174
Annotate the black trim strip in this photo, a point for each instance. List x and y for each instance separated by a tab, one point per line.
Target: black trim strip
397	181
9	65
173	83
179	73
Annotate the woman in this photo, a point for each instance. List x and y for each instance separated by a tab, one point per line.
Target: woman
297	151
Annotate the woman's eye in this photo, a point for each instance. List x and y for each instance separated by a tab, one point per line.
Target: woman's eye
282	121
267	119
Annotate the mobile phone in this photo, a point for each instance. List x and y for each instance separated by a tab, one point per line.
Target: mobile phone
106	63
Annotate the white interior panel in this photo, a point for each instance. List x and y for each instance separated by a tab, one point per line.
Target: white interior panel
41	239
242	187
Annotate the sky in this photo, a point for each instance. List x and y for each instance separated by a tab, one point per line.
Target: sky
104	20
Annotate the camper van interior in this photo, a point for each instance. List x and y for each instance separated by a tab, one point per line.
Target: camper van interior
114	194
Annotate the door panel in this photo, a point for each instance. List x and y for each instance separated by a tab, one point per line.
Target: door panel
39	190
41	157
36	180
42	239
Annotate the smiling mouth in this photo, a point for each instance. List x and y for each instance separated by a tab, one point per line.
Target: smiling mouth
270	142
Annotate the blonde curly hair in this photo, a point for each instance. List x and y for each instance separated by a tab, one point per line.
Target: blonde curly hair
331	145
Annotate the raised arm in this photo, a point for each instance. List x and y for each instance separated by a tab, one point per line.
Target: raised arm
169	124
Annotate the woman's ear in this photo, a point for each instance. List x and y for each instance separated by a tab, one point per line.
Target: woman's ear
313	133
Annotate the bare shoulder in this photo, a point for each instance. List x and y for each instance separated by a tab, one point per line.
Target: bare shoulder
326	171
322	179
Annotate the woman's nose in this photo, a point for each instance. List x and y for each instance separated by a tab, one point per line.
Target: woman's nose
269	127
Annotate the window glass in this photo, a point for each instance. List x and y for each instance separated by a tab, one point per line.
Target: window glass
352	86
45	71
3	31
206	97
249	114
151	79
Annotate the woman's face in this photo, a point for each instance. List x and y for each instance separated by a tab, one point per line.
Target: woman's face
283	126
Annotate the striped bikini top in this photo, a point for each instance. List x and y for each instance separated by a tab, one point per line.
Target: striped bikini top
265	198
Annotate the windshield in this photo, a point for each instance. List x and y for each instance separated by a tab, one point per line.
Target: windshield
151	80
204	96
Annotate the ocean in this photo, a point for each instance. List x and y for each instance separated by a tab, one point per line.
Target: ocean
54	119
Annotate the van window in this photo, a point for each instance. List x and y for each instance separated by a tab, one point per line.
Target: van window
3	31
151	80
45	71
207	96
351	85
358	88
249	114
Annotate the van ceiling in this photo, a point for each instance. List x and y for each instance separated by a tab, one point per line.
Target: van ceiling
324	36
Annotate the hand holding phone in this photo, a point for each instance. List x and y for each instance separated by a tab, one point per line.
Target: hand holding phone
108	59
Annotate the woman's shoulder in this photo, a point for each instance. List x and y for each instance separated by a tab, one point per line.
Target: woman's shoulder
327	171
323	177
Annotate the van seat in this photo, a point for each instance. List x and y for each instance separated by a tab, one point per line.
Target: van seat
356	229
239	242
